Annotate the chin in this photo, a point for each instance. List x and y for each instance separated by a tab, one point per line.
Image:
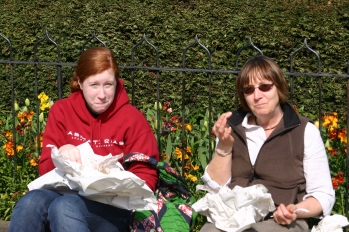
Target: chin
100	110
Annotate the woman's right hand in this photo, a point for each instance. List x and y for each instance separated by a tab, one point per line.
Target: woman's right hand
223	132
70	152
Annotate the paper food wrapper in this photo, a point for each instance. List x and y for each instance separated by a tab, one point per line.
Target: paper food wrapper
333	223
99	178
234	209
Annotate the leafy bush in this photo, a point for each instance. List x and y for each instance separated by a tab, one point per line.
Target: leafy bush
277	28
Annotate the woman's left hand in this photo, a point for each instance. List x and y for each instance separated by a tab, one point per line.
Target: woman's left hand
284	215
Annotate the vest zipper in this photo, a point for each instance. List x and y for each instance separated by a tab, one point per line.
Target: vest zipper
250	179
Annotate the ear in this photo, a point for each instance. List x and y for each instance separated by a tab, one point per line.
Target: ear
79	83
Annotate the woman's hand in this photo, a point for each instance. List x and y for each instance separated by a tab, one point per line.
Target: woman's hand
285	215
223	132
70	152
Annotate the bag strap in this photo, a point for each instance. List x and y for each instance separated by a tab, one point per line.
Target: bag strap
140	157
170	177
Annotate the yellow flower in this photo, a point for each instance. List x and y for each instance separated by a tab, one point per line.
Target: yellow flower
30	115
42	95
179	153
195	167
188	127
20	115
190	177
342	135
19	148
188	150
44	105
33	163
8	134
193	178
9	149
330	120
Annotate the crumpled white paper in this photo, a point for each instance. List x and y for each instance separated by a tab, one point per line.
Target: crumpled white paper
235	209
99	178
331	223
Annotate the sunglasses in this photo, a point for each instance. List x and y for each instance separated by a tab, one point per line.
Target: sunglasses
263	87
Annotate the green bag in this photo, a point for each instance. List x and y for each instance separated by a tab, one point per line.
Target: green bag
174	200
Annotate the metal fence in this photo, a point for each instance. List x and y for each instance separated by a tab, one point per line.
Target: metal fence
183	70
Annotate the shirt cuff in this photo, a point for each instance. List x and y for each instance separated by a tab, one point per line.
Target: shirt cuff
211	183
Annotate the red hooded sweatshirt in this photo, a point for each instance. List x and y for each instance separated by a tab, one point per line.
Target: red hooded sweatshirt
120	129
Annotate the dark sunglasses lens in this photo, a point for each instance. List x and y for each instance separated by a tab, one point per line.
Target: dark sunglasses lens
248	90
265	87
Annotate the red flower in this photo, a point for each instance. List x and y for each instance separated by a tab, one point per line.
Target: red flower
340	177
333	153
166	105
334	183
332	133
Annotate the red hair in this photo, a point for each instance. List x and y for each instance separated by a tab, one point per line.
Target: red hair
91	62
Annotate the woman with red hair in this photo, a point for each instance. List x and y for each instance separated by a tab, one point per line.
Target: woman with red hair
97	111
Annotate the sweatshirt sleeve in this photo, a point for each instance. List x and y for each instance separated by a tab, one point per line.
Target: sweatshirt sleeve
54	134
140	138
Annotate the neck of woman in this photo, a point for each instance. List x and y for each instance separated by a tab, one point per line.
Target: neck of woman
93	113
269	123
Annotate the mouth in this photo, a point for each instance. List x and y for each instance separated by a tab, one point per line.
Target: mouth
260	105
101	103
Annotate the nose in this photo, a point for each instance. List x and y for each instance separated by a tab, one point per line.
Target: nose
101	93
257	94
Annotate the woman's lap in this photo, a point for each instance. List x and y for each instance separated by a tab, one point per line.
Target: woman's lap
39	209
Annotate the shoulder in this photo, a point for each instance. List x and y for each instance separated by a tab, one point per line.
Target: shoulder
131	113
311	129
305	119
67	101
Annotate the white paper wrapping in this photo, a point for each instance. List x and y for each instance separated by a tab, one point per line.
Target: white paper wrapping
99	178
234	209
333	223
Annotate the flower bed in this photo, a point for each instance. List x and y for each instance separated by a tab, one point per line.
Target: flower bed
185	144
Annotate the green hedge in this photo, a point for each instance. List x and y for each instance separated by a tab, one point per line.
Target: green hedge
276	27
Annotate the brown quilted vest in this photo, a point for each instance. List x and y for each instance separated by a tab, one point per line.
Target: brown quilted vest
279	164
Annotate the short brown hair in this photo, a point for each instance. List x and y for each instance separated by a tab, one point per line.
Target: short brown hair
268	70
91	62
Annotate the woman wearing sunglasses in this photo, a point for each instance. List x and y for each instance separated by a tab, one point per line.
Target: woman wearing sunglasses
266	142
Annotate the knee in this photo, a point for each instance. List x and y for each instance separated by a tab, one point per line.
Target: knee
36	199
66	203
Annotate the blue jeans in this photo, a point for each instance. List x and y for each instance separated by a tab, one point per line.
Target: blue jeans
46	210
